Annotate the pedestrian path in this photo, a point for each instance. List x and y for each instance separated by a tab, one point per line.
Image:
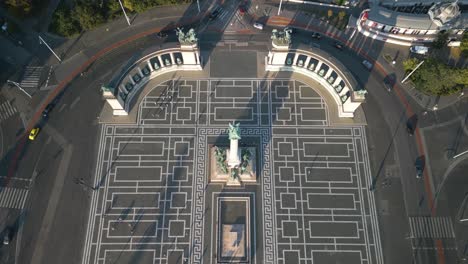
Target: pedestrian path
431	227
6	110
13	197
31	77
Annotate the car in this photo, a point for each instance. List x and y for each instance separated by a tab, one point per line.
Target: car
389	82
338	45
7	236
367	64
161	35
215	13
422	50
258	25
242	10
33	133
419	165
47	110
316	35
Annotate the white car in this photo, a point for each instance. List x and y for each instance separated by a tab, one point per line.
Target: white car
367	64
258	25
423	50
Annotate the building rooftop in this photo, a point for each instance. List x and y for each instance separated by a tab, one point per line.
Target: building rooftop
414	2
403	20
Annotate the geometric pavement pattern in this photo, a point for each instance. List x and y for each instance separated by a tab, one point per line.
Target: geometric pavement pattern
150	206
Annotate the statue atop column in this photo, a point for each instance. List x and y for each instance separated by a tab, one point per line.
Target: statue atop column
234	136
234	131
281	38
233	165
188	38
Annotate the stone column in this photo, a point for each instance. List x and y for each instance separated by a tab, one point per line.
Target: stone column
337	81
234	160
296	57
150	66
317	68
160	63
140	72
329	72
306	62
131	79
173	62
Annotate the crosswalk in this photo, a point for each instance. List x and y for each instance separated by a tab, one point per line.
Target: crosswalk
431	227
31	77
13	197
6	110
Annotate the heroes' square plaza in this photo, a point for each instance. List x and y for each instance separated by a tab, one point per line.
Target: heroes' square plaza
310	203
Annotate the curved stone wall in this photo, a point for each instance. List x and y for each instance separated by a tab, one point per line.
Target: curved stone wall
120	93
323	68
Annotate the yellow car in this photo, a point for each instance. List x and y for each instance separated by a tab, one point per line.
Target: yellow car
33	133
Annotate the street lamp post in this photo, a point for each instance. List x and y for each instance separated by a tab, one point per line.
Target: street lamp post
279	9
19	87
125	14
412	71
81	182
460	154
198	4
42	41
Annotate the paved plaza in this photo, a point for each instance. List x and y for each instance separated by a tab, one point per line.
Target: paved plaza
310	205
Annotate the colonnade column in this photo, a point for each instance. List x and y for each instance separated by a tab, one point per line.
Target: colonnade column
319	65
149	65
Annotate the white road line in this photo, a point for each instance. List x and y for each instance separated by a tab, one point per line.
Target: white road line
12	197
74	102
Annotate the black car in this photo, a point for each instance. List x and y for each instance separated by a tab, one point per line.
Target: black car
47	110
161	35
215	13
316	35
389	82
338	45
419	165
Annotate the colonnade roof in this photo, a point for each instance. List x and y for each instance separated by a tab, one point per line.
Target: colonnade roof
344	73
401	20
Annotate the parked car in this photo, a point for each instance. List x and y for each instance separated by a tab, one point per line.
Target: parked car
258	25
316	35
423	50
367	64
338	45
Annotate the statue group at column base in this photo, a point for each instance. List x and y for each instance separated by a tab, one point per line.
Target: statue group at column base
221	172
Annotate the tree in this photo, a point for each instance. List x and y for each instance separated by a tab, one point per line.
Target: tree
329	13
113	9
464	44
410	64
64	24
87	14
441	40
20	7
436	78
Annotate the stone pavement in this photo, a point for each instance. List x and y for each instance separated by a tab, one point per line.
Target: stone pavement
311	204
